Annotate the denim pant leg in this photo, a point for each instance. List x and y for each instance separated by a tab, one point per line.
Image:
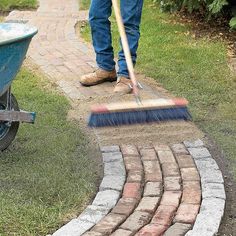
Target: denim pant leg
100	11
131	11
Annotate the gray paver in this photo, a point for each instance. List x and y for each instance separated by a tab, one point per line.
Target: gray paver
112	182
114	168
107	198
114	148
194	144
210	190
74	228
93	214
200	152
112	156
178	229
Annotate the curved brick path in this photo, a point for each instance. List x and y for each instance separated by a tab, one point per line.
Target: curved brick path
149	188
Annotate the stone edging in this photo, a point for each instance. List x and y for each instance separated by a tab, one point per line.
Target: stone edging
164	201
213	193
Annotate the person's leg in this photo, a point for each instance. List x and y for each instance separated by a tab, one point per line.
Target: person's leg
131	11
100	11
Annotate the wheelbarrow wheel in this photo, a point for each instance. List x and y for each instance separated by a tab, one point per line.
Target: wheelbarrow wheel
8	130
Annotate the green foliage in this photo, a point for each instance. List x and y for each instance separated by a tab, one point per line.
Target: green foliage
208	8
232	23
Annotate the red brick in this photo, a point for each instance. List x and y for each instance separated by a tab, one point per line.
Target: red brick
187	213
129	150
170	169
152	230
166	157
179	149
185	161
189	174
109	223
148	154
172	184
171	198
164	215
132	190
191	192
152	171
125	206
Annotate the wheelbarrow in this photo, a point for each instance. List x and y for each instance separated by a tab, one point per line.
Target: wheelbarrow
14	42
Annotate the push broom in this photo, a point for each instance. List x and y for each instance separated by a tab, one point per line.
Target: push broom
137	111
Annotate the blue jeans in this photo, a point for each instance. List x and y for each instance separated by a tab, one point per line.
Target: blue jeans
100	11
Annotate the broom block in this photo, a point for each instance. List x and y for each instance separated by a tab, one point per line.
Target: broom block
145	105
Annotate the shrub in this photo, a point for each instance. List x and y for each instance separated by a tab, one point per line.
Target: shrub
209	8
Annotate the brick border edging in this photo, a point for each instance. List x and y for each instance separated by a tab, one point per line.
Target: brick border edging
108	195
213	193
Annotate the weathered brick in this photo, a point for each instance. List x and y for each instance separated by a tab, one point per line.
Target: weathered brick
179	149
148	204
136	221
152	189
132	190
125	206
122	232
170	169
171	198
191	192
189	174
185	161
186	213
114	168
109	223
92	233
152	171
166	157
172	184
213	190
178	229
164	215
133	163
129	150
152	230
148	154
135	176
161	147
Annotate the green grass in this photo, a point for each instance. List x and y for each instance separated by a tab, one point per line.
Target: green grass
84	4
193	68
49	173
6	5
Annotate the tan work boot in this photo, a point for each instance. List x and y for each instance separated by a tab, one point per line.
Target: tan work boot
98	77
123	85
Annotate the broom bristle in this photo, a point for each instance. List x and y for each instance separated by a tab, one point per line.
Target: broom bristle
99	119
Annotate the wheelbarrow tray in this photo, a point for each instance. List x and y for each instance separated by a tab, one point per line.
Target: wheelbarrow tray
14	43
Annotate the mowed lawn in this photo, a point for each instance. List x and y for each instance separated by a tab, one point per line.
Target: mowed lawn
50	172
193	68
6	5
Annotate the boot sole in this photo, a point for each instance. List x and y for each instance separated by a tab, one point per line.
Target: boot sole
99	82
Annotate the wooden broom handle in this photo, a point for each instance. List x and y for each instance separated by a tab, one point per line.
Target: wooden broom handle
125	45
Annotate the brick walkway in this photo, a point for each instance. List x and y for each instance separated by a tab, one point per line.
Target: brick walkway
162	185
